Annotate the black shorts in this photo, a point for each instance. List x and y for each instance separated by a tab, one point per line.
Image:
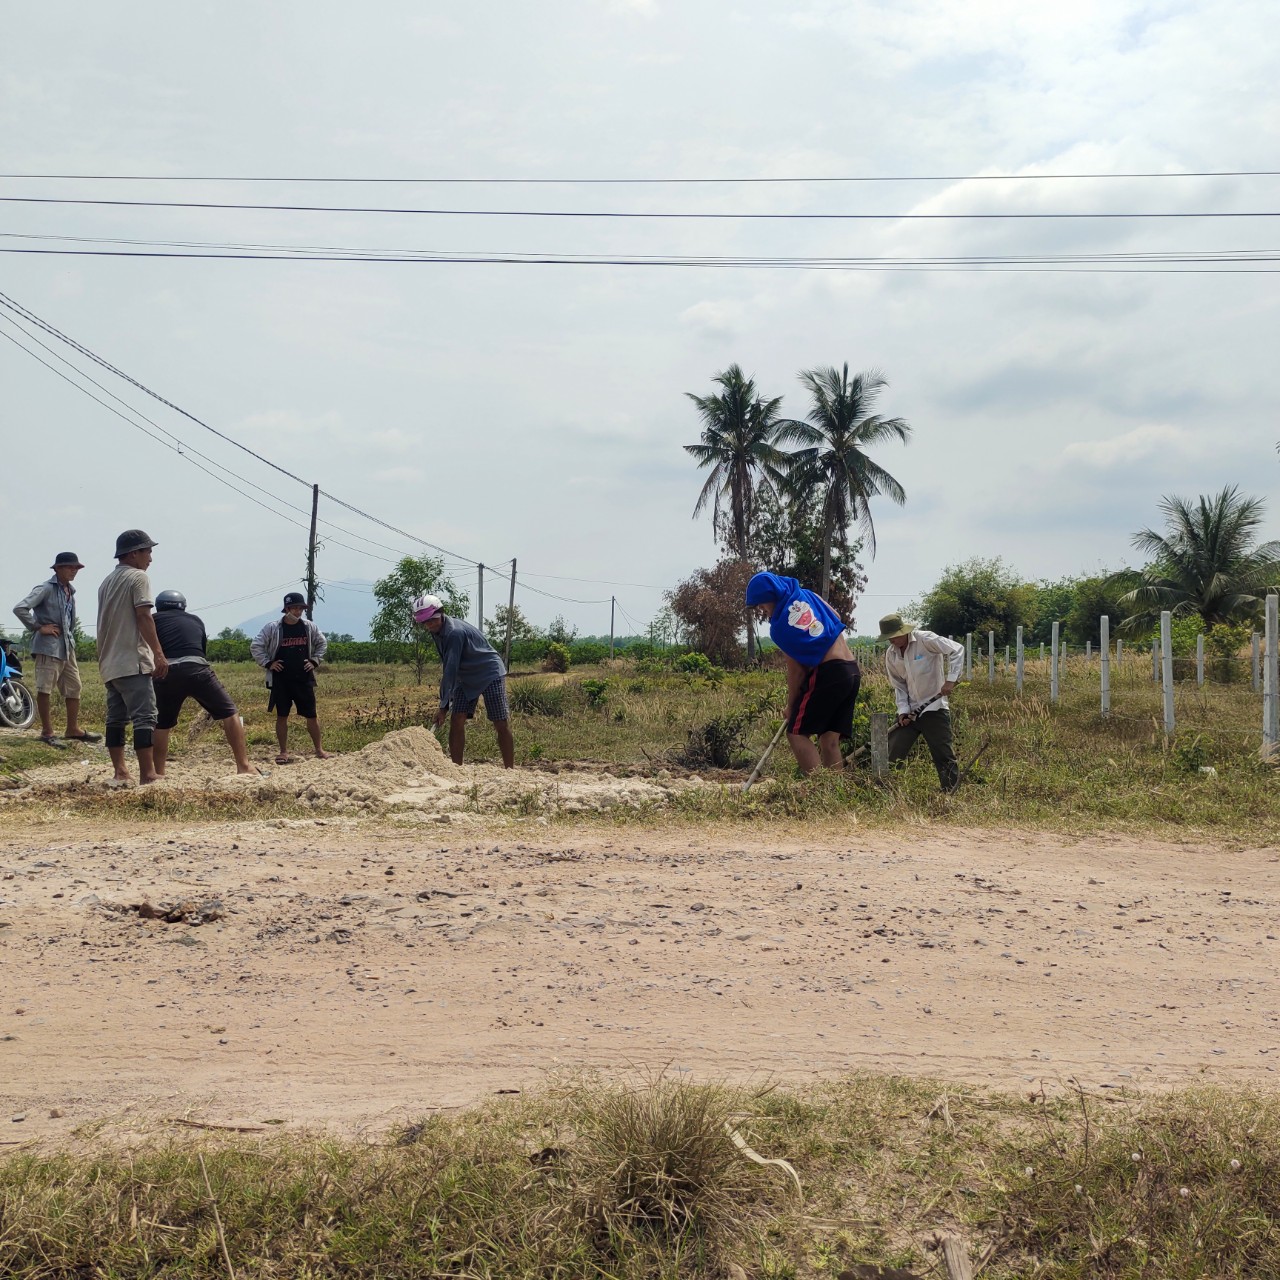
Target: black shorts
297	693
188	680
825	702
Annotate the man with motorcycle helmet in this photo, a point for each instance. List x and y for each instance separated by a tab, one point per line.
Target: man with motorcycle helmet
182	636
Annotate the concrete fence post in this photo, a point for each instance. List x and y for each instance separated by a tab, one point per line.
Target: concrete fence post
1271	683
1104	652
1166	669
991	657
1119	652
1088	652
1053	672
1041	650
968	656
1020	660
1199	661
879	745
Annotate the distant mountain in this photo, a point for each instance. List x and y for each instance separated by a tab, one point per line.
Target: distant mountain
346	609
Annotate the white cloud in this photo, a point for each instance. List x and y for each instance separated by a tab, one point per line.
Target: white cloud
1133	446
713	319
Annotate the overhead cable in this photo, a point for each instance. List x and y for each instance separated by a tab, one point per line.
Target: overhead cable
647	182
648	215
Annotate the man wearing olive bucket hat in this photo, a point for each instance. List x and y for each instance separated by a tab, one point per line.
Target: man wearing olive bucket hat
471	669
922	668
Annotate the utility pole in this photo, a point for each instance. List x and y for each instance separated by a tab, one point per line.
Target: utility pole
511	611
311	553
613	601
480	601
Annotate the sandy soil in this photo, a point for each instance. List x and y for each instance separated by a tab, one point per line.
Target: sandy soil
360	977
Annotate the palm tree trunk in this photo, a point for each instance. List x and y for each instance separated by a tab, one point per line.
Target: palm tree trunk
828	533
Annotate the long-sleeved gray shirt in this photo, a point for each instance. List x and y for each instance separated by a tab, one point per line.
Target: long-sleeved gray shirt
50	602
471	664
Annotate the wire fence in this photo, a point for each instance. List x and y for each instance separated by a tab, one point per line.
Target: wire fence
1119	671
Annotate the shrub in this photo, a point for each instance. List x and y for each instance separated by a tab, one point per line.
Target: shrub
534	698
596	691
557	658
694	664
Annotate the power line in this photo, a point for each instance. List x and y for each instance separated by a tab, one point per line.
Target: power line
647	182
310	252
184	449
30	316
663	215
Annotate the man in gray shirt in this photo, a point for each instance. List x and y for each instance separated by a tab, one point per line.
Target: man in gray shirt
49	613
472	669
129	654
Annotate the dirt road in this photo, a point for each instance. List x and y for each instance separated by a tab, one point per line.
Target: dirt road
359	976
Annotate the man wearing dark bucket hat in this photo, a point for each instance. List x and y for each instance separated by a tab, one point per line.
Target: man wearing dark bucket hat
823	676
129	655
49	613
922	668
290	650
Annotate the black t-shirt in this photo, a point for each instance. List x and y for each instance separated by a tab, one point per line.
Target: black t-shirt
294	646
181	635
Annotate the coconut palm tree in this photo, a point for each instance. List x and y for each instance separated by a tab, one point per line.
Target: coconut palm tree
739	434
1208	561
834	441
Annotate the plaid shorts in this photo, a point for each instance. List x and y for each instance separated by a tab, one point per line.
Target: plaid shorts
495	701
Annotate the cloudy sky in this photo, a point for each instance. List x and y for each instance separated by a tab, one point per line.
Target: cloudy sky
537	411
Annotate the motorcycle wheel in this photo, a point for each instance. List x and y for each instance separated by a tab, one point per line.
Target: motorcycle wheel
17	706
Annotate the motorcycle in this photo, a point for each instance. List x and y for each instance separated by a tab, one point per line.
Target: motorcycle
17	706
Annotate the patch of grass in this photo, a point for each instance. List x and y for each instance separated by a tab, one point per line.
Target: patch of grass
1061	767
640	1180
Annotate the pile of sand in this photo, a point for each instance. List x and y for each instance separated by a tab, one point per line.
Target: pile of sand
405	771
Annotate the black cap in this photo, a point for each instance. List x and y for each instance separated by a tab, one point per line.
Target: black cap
132	540
66	557
294	598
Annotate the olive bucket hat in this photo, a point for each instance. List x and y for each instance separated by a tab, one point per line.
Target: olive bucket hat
894	625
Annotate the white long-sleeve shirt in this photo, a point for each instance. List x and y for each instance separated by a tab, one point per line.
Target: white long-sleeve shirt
916	672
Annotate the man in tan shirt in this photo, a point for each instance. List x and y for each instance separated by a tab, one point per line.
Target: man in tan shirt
129	654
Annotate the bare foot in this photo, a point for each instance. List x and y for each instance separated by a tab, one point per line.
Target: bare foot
149	779
323	755
250	769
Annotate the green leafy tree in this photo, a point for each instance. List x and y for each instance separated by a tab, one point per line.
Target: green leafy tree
560	632
393	625
522	630
978	596
1049	602
1207	561
1097	597
789	541
739	445
833	454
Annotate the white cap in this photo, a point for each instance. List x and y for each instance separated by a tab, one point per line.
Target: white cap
426	607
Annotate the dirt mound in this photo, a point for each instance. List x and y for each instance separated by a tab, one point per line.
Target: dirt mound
406	771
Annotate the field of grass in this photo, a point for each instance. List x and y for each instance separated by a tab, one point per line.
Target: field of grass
641	1180
1060	767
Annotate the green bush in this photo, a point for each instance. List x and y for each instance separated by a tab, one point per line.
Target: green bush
697	664
536	698
557	657
596	691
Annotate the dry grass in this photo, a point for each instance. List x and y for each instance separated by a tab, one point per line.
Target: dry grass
640	1180
1060	767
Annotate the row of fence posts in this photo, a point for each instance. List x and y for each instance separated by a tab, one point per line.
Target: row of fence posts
1264	672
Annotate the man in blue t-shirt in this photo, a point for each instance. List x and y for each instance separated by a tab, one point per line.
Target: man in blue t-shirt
822	674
